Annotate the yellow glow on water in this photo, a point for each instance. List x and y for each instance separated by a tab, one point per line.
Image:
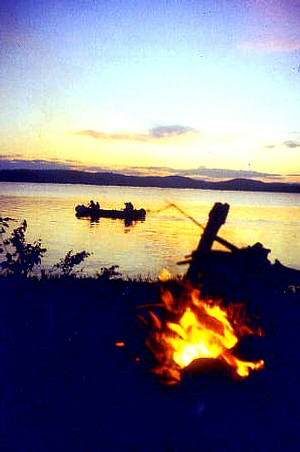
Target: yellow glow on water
164	238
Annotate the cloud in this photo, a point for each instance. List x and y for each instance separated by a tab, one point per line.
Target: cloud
9	156
291	144
278	12
201	172
98	135
169	131
272	45
222	173
156	133
210	174
16	163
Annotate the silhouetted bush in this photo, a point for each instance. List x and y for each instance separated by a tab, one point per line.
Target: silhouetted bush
107	273
66	265
20	257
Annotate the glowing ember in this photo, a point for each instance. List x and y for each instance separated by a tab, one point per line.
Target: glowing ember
165	275
120	344
205	329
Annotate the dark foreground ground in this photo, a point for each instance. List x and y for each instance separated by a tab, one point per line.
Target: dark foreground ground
65	386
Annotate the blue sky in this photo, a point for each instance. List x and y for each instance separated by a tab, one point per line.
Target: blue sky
83	81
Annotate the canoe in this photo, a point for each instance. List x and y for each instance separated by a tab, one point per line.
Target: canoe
135	214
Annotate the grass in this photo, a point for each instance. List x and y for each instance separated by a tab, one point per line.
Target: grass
67	387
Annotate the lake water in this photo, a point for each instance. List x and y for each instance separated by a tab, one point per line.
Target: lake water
145	248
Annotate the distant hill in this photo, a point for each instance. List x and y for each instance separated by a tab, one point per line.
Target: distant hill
84	177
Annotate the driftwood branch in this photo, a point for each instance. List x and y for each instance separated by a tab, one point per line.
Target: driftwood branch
217	218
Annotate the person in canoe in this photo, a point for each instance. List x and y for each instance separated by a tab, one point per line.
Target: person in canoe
129	207
95	206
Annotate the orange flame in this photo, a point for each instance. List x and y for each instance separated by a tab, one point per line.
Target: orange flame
120	344
204	330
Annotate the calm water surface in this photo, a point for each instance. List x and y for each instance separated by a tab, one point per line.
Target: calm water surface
164	238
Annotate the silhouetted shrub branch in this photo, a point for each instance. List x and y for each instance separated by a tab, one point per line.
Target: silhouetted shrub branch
66	265
107	273
20	257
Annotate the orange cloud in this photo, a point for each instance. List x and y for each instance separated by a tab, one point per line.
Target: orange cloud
292	144
156	133
113	136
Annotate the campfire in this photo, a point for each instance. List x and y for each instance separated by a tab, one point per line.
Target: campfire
196	328
200	329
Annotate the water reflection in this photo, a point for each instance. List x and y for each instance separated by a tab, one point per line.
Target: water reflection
128	224
160	241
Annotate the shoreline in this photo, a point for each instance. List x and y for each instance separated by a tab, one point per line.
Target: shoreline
73	177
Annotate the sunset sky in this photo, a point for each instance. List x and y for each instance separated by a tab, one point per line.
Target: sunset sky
203	88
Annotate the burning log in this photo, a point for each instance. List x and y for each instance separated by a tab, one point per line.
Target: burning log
200	320
195	327
198	329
